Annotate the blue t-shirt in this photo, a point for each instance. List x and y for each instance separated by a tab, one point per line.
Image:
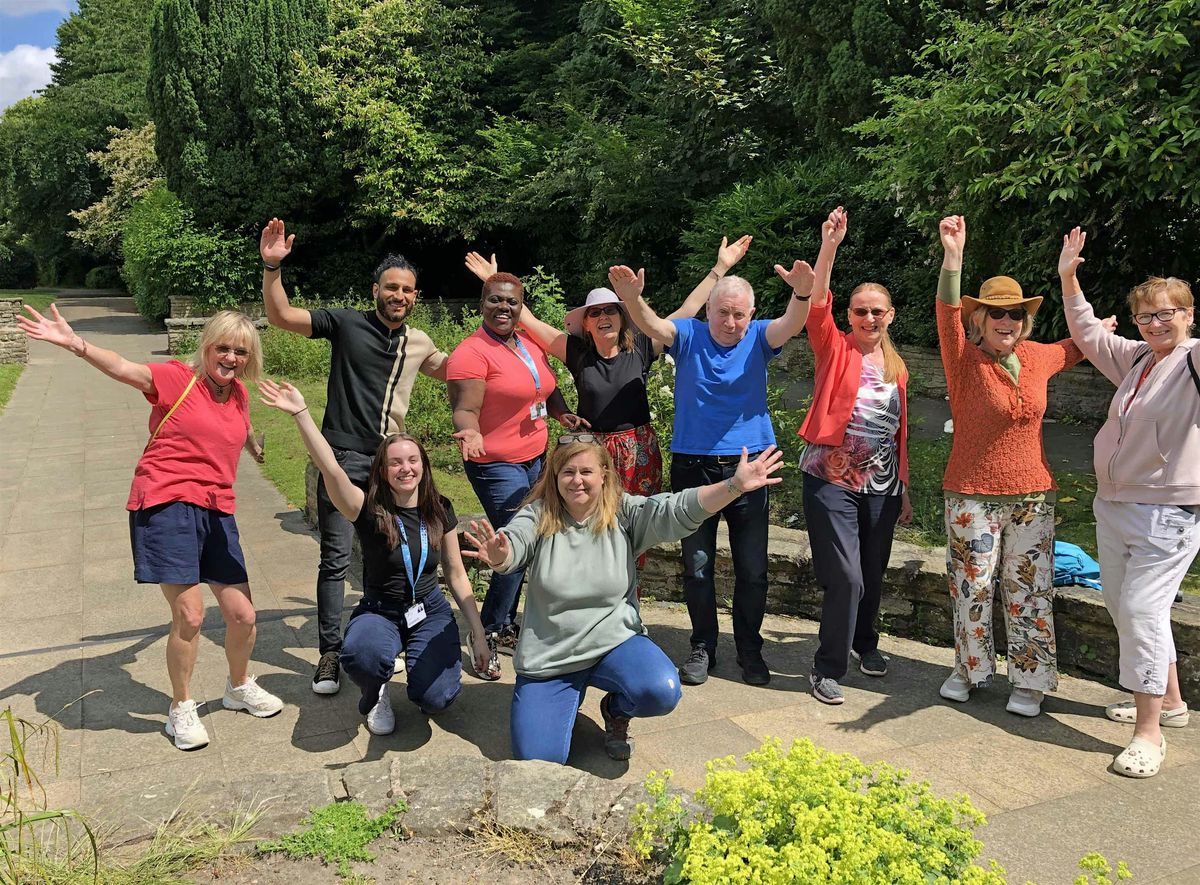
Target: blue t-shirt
721	392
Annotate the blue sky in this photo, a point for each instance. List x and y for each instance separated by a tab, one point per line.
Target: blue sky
27	45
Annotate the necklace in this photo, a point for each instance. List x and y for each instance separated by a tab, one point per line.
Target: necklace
219	389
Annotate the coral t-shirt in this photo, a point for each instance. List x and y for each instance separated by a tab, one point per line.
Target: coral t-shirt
194	457
509	432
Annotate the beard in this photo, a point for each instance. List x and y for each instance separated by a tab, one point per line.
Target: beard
391	314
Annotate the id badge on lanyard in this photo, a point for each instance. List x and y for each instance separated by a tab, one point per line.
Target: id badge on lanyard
538	409
415	613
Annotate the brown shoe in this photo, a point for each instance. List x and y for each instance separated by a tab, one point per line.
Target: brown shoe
617	742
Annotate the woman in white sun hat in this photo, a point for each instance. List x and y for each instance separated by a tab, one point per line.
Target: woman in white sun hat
610	359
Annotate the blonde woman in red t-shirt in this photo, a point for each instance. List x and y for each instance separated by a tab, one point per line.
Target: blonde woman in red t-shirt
181	503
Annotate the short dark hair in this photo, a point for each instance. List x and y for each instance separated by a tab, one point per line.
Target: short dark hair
394	260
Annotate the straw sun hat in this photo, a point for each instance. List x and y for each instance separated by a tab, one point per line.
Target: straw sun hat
1002	292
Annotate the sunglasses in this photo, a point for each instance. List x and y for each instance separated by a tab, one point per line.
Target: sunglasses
578	438
1163	316
610	311
999	313
876	312
224	350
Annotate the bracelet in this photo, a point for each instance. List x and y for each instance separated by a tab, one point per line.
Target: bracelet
82	347
270	266
800	297
733	489
297	412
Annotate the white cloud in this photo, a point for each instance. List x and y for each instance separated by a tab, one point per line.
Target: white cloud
29	7
23	70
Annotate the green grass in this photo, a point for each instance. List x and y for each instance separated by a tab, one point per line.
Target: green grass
337	834
286	459
38	299
9	373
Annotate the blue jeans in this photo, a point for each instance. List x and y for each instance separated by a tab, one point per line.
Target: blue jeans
641	678
377	633
748	524
337	539
501	487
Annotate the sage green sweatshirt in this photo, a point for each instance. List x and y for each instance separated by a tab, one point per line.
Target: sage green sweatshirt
581	599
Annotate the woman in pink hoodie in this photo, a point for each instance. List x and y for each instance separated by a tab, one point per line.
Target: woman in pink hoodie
1147	504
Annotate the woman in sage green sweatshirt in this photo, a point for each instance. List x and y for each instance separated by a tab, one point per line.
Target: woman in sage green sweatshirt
578	538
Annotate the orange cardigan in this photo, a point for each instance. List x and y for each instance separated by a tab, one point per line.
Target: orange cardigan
997	447
835	389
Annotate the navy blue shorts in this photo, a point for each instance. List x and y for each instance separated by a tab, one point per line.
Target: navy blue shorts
181	543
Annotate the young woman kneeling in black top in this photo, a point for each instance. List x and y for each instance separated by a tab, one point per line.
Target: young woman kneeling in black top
398	520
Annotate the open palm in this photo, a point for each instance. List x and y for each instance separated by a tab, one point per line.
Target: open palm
627	284
751	475
52	329
491	547
275	245
731	253
480	266
1068	259
282	396
800	277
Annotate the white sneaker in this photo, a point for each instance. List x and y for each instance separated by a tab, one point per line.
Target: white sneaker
399	666
381	719
183	724
1025	702
956	688
253	699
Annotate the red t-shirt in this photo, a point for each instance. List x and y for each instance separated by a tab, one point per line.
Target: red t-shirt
509	433
194	458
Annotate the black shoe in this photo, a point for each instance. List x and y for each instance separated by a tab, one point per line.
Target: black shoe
754	669
873	663
508	636
617	742
696	668
327	678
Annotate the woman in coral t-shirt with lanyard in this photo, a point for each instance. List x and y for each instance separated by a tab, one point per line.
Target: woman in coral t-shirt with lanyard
181	503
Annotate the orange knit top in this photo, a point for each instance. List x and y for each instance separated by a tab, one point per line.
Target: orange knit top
997	447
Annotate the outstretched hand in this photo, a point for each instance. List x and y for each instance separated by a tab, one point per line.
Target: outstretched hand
731	253
491	547
273	245
282	396
953	233
480	266
801	277
627	284
470	443
833	229
52	329
571	421
751	475
1068	258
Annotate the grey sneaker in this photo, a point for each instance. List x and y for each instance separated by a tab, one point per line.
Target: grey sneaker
873	663
824	689
696	668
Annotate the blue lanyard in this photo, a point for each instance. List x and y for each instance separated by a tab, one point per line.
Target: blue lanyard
412	579
523	353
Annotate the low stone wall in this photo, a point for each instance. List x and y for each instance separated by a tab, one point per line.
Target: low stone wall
184	306
182	332
916	600
13	346
1080	394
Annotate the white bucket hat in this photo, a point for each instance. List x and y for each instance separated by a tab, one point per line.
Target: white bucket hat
574	318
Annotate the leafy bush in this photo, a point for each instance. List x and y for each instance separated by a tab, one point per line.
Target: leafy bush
291	356
106	276
809	815
166	254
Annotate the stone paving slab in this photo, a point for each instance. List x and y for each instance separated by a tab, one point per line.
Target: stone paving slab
75	622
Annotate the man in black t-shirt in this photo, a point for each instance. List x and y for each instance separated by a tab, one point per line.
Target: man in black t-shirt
375	361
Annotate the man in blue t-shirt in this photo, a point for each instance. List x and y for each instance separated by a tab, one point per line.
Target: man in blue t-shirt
721	411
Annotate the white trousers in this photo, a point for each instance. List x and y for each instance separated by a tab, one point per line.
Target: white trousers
1145	550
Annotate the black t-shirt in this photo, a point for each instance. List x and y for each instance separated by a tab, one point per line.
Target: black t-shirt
371	376
612	392
384	576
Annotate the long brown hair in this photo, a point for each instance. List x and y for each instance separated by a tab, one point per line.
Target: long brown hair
893	364
554	512
381	503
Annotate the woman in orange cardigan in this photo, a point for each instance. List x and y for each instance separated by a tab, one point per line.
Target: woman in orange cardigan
1000	494
855	467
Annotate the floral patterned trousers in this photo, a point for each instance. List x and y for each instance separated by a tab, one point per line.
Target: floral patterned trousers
1010	544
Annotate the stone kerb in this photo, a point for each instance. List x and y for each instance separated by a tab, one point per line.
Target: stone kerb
13	346
182	332
184	306
916	600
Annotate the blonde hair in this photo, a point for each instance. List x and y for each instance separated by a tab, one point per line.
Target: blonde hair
552	518
237	330
1178	292
894	367
978	317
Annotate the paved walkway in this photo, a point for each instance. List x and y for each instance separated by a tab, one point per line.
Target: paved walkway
74	624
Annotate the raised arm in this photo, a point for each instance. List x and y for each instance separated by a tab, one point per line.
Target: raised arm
628	287
274	246
466	400
727	257
55	330
801	279
1110	353
833	231
345	495
952	339
553	341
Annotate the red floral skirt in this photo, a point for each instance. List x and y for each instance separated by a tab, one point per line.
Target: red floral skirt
638	462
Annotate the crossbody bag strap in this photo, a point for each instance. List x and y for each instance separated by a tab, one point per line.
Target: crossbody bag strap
171	411
1192	369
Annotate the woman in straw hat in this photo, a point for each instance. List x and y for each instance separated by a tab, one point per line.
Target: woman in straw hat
999	491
